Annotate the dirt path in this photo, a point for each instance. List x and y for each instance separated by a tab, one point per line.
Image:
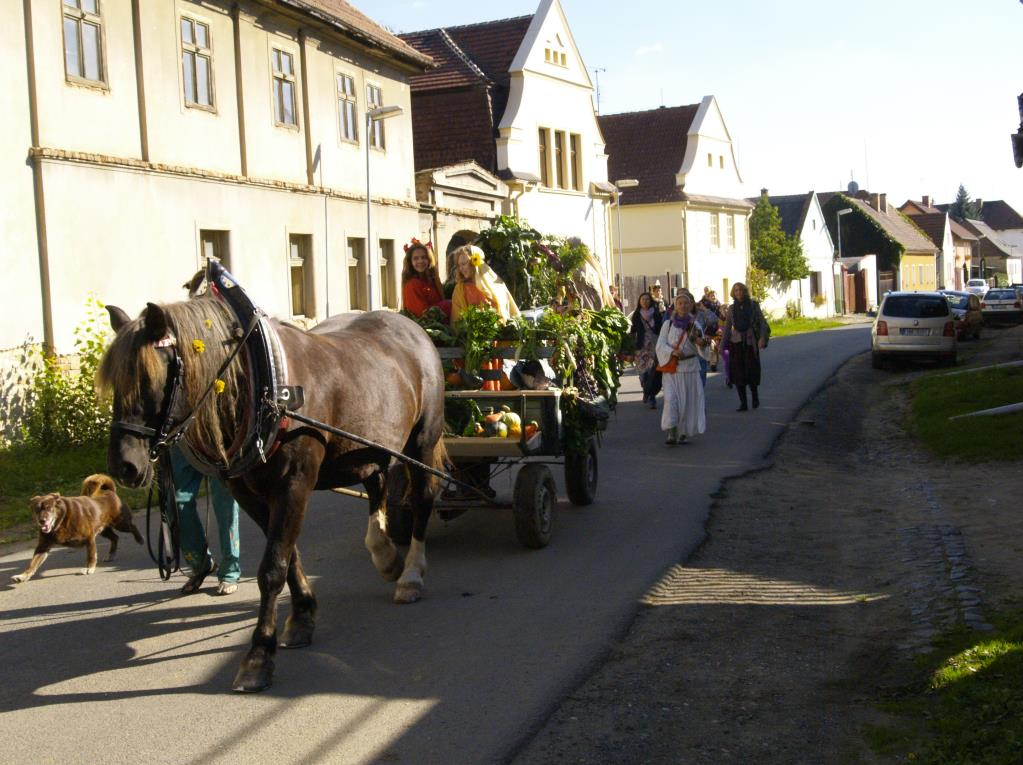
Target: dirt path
821	578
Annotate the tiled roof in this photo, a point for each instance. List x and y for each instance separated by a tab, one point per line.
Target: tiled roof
932	224
1000	216
894	224
792	208
990	241
452	70
648	146
960	231
354	23
918	208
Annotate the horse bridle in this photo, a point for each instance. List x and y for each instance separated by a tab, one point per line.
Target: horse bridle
165	434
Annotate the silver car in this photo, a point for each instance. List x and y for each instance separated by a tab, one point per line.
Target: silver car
1001	304
913	325
977	286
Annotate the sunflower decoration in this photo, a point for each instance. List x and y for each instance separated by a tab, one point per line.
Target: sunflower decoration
208	323
218	386
476	258
198	346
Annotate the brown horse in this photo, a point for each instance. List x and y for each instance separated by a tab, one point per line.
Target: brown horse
375	374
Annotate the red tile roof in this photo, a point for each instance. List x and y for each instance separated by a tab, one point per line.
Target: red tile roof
897	227
932	224
648	146
960	231
348	19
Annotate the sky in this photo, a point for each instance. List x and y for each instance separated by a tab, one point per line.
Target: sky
906	97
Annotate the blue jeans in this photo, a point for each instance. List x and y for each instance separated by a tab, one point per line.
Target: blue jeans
194	547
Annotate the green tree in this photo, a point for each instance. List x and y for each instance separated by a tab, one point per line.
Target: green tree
771	250
964	207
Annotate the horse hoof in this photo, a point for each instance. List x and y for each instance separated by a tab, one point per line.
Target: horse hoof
393	572
253	679
297	634
408	593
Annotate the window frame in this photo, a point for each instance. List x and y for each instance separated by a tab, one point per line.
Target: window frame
344	100
304	261
560	179
575	163
715	230
279	76
544	149
730	229
375	129
355	252
81	18
197	52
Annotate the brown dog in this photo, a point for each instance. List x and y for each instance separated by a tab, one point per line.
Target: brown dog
77	521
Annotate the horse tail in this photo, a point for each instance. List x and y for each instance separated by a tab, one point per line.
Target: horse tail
94	484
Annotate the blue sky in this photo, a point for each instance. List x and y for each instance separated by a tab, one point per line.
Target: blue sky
909	97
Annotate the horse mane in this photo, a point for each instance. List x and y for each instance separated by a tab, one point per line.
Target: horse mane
204	329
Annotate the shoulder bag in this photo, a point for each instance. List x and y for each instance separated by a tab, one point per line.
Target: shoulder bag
672	366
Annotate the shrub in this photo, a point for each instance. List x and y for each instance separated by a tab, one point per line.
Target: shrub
819	299
64	409
793	310
756	282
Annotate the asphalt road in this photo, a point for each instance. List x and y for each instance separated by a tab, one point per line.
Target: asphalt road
116	667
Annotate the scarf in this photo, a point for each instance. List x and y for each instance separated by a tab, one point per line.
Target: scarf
742	315
647	313
681	322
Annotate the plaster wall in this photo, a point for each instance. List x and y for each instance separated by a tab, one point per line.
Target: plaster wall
918	272
709	167
20	287
715	265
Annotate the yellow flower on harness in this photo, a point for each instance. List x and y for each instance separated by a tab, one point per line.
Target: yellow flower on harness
208	323
218	386
198	346
476	258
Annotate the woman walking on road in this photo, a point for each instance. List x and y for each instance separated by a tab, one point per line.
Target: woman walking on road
646	326
746	331
677	354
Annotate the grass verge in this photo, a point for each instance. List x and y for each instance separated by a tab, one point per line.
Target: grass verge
26	472
967	703
974	439
785	327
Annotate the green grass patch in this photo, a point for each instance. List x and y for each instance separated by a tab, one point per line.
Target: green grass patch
785	327
974	439
26	472
967	704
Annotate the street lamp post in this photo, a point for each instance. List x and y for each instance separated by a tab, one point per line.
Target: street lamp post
379	113
838	225
623	183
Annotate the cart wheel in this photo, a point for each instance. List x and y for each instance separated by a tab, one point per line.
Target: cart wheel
535	496
581	475
399	514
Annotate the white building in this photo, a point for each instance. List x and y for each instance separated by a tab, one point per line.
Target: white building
802	217
145	140
515	97
688	215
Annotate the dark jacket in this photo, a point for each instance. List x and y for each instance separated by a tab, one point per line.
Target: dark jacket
639	328
759	329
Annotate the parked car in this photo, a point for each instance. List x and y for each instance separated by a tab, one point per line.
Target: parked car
977	286
1001	304
914	325
965	312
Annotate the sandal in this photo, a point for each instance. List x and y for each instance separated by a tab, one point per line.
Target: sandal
227	588
195	581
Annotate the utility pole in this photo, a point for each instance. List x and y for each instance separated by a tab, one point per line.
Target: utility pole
596	78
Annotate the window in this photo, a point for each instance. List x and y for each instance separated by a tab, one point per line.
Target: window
347	108
815	284
284	88
356	274
725	294
196	58
83	40
214	244
388	293
710	159
301	266
715	230
545	177
721	161
574	160
375	98
559	159
730	223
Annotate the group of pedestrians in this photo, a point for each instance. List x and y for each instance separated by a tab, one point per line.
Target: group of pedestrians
676	346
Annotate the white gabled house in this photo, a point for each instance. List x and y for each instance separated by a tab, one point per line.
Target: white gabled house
688	215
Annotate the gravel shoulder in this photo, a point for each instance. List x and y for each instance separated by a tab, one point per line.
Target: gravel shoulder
821	578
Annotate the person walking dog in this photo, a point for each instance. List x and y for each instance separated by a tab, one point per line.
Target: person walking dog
746	331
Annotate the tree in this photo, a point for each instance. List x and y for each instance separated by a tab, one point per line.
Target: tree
964	207
771	250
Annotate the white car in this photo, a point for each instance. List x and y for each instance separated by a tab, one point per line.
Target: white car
914	325
1001	304
977	286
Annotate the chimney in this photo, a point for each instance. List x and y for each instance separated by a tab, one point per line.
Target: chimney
763	193
926	201
884	204
875	201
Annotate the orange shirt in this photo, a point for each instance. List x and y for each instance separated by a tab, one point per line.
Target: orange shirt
418	295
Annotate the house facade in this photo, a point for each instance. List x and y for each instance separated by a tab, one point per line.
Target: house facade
802	218
515	97
152	134
937	225
688	215
994	258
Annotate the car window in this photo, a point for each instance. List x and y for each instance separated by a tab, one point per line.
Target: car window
957	301
1000	295
975	283
915	306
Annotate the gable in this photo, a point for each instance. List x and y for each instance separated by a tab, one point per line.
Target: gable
549	48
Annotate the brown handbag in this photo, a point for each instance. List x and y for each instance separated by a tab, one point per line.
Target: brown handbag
672	366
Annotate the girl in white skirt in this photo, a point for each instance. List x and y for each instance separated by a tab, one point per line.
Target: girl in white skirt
680	341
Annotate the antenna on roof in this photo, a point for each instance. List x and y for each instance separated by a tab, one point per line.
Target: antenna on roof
596	76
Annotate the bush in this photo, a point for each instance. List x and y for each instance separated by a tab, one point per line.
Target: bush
756	282
793	310
64	409
819	299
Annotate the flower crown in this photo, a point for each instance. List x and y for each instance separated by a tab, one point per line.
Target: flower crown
476	256
414	243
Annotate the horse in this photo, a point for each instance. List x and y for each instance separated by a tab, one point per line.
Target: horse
373	374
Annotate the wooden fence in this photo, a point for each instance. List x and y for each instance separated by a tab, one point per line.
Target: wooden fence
634	286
